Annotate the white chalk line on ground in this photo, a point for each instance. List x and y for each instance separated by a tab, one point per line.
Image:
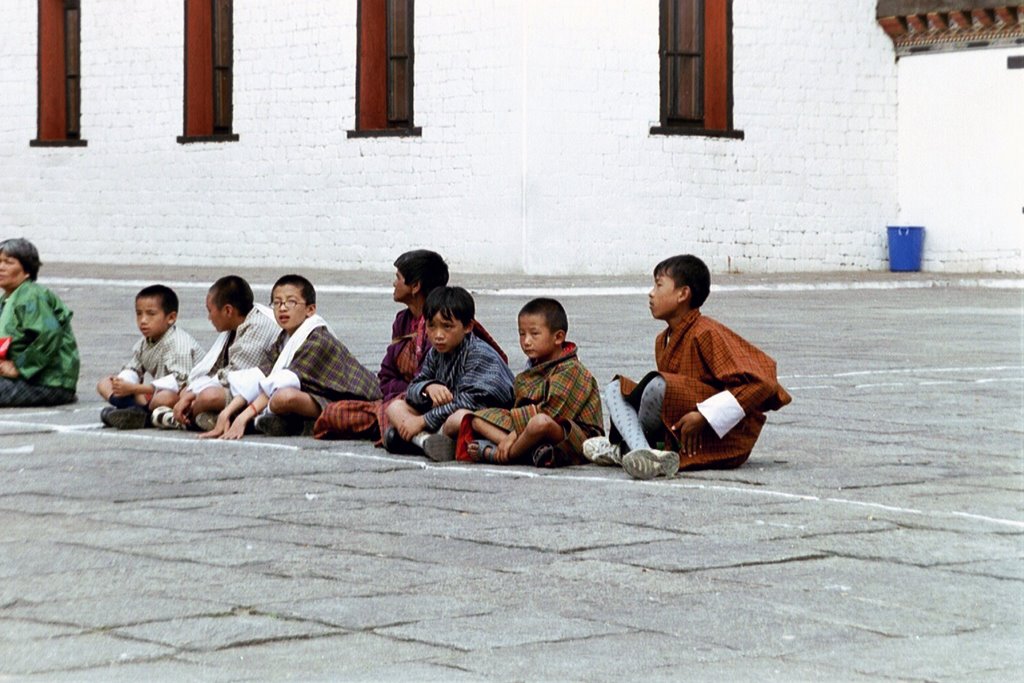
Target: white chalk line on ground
489	471
571	291
97	429
906	371
515	473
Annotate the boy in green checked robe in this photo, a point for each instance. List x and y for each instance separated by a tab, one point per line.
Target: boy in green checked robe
557	406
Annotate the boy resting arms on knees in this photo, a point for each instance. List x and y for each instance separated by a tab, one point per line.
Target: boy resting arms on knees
558	405
461	371
165	352
247	333
310	368
708	397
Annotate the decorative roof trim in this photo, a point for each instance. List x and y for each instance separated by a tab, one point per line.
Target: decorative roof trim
943	26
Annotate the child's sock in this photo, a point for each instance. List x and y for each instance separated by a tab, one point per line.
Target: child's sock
420	438
624	417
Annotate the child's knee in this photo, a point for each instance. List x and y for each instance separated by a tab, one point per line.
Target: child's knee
104	387
285	401
454	422
546	426
163	399
397	408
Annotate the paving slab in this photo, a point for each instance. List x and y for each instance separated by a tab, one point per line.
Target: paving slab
876	533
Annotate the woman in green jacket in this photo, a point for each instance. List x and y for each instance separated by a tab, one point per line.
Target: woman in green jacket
38	354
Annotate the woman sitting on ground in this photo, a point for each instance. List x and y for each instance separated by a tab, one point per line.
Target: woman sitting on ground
38	353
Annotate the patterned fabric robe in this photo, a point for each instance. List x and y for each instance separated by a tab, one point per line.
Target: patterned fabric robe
562	389
475	374
698	359
326	369
249	346
351	419
173	354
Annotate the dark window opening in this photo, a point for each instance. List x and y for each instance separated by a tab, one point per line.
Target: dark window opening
384	69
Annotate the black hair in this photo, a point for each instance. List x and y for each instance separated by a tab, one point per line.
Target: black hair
424	267
168	299
25	252
304	286
551	310
234	290
453	303
687	270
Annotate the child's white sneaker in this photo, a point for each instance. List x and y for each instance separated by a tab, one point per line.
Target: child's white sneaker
601	451
163	418
648	463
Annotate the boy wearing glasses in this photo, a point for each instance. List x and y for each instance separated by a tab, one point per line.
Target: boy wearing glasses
309	368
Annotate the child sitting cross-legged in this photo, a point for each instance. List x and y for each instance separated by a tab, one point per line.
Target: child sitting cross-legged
557	407
310	368
707	400
460	371
166	353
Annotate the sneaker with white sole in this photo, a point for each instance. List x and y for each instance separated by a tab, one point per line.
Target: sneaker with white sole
648	463
601	451
163	418
124	418
278	425
439	448
205	421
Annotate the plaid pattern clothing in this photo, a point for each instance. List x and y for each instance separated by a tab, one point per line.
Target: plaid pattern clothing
562	389
249	346
326	369
173	354
474	373
698	359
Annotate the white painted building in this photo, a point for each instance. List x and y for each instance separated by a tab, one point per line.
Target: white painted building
533	148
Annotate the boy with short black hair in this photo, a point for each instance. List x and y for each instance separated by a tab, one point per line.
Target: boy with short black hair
166	353
557	405
247	334
708	397
310	367
461	371
417	274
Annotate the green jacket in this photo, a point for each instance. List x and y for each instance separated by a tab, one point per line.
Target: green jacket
43	346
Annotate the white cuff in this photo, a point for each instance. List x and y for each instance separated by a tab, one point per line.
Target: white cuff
166	383
129	375
245	383
202	384
281	379
722	411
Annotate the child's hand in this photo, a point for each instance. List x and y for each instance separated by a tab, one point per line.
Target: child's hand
182	407
439	394
688	430
8	370
237	429
411	427
223	422
122	387
504	452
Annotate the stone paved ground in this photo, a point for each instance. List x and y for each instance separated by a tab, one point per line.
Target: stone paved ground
876	533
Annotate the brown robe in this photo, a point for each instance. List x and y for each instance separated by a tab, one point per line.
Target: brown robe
699	358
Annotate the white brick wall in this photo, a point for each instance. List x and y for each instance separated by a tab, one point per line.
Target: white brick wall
535	156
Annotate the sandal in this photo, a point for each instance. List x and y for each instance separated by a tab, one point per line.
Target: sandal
548	456
486	450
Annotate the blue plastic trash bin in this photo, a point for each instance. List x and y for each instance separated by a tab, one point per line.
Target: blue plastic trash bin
905	242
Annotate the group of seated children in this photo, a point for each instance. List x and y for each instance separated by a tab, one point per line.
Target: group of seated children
444	389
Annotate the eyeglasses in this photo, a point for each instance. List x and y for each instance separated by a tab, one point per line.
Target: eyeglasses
286	304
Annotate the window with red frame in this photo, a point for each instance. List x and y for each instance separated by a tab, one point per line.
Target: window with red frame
696	68
209	61
384	69
59	85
